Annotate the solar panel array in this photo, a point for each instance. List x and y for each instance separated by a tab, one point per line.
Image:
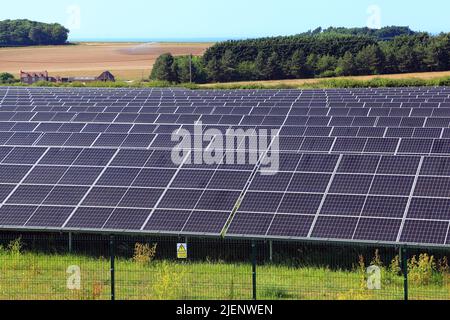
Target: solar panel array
367	165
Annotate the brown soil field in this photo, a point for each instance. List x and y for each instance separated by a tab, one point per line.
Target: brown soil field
293	82
127	61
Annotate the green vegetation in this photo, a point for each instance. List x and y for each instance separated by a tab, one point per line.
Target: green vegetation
27	275
29	33
315	54
7	78
378	82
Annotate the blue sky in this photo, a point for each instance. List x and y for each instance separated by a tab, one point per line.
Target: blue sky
154	19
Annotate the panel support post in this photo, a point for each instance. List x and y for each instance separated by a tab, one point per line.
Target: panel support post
271	250
70	242
254	270
112	268
404	261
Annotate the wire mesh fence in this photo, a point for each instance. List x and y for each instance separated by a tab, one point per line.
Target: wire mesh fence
94	267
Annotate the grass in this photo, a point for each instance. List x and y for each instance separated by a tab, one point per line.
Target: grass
377	82
43	276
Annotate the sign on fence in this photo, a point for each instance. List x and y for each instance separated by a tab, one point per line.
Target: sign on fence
182	251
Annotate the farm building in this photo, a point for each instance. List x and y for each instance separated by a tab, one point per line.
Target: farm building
33	77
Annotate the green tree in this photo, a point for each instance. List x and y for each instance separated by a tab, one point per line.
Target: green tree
311	64
6	78
214	70
370	60
346	65
326	65
228	66
297	65
164	68
261	66
273	68
247	70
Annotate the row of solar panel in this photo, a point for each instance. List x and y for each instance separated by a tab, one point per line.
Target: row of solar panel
291	144
342	228
91	218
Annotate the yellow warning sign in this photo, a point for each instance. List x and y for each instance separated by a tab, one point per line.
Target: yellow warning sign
182	250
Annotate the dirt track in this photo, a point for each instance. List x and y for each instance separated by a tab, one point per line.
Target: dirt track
128	61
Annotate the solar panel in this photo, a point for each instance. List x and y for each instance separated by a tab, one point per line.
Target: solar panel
354	164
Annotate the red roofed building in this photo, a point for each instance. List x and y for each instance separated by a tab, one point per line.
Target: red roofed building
32	77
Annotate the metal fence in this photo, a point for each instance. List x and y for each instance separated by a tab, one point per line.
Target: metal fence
94	267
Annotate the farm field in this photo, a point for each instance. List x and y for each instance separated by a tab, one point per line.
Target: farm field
127	61
303	82
37	276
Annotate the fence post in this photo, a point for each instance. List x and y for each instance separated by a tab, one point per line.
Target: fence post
254	269
404	259
112	269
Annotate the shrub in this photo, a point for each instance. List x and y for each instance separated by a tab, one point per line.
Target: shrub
421	270
144	253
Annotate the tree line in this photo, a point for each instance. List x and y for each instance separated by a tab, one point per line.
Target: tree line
314	54
27	33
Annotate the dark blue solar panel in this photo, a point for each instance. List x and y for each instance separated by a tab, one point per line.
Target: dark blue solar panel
24	156
391	207
60	156
119	177
23	139
343	205
276	182
218	200
380	145
417	231
141	198
441	146
398	165
245	223
15	215
104	197
290	226
429	208
206	222
392	185
126	219
334	227
317	163
29	194
94	157
110	140
180	199
81	139
353	184
53	139
89	218
416	146
192	179
167	220
377	230
42	174
309	182
317	144
81	176
66	195
349	145
436	166
53	217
